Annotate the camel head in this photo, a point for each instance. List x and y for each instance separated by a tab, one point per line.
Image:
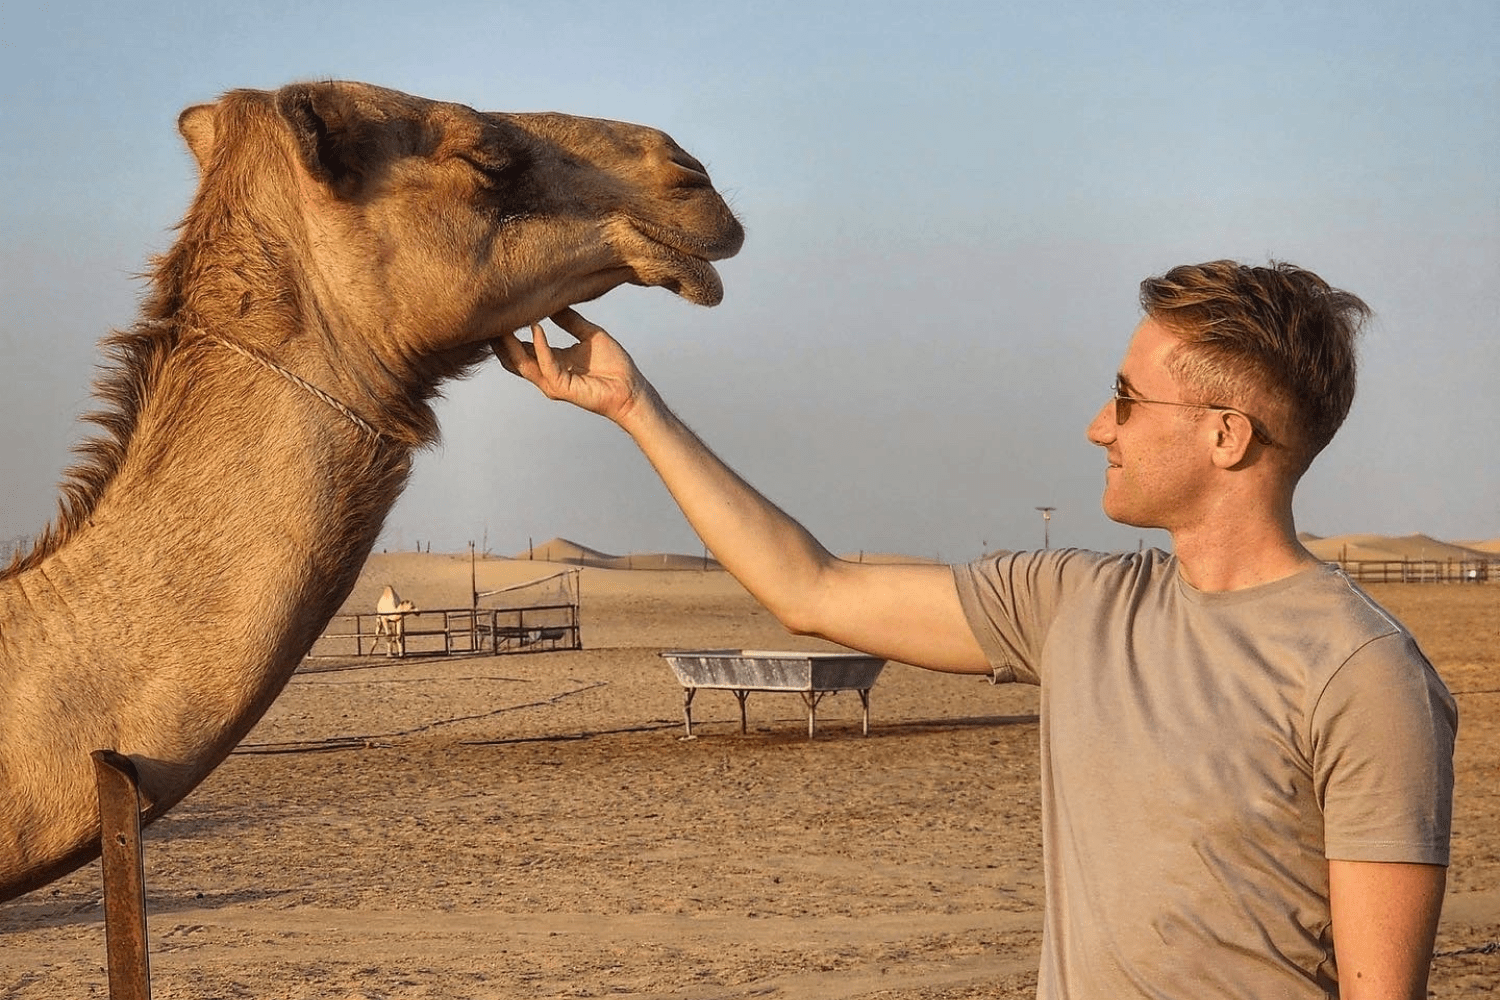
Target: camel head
401	234
390	603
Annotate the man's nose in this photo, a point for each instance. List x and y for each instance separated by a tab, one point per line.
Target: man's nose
1102	430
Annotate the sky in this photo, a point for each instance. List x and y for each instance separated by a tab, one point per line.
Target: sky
949	209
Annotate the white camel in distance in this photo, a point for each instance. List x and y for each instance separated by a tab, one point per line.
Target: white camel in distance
391	625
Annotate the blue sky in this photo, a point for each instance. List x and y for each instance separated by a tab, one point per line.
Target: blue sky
949	208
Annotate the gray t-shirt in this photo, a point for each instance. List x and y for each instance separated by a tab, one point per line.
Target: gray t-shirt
1203	756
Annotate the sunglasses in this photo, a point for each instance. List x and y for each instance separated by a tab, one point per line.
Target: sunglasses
1124	402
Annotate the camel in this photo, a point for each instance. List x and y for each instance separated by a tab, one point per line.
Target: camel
348	249
391	625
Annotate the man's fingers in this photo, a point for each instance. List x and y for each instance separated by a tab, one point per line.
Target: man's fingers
538	361
498	349
512	353
570	320
545	359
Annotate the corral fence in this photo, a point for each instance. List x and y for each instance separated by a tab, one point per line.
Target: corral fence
11	548
534	617
1421	570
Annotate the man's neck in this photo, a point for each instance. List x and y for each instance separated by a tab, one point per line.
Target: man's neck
1234	555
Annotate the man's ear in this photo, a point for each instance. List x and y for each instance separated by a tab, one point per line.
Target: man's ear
336	143
1233	438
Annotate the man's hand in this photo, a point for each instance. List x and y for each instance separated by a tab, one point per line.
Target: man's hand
595	373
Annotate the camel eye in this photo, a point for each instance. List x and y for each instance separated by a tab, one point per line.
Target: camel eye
500	171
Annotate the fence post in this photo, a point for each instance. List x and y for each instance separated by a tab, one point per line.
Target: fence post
123	861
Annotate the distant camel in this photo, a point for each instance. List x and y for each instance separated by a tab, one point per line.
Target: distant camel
349	249
391	625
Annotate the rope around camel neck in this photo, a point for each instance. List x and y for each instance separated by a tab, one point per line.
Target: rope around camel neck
350	415
297	380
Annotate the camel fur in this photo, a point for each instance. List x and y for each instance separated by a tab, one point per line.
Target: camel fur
349	249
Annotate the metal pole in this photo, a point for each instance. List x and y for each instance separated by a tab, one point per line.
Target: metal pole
1046	524
124	876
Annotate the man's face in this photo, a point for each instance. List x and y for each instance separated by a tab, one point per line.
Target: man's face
1158	462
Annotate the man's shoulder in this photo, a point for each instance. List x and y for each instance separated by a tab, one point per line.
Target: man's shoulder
1339	631
1079	565
1075	579
1340	602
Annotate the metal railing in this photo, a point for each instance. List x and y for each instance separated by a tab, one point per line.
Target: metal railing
454	632
1421	570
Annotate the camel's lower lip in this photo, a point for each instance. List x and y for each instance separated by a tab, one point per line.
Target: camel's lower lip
666	265
679	259
698	281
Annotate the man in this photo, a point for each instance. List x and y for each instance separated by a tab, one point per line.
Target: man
1246	763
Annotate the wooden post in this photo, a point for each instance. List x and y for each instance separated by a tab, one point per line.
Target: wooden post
124	876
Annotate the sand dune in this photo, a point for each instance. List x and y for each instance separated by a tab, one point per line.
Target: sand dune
561	550
1385	547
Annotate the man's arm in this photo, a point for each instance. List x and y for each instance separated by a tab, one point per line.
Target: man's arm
1385	918
909	613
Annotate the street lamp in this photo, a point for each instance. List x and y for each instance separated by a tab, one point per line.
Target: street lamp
1046	523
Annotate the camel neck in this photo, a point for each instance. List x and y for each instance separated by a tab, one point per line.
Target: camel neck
229	530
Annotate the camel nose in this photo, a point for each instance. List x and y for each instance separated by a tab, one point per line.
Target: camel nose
690	170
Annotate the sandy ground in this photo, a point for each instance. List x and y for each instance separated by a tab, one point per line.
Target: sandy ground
535	826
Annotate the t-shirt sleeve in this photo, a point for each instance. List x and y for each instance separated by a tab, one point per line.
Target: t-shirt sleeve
1011	600
1382	738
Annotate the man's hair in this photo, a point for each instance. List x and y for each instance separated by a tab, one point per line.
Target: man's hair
1280	329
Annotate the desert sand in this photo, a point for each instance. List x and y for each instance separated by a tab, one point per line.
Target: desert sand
536	826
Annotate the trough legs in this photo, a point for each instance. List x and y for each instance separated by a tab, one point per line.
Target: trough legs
809	698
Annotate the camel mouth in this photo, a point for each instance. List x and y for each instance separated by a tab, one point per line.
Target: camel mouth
692	278
677	261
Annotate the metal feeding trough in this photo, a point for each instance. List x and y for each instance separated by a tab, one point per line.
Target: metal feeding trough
742	671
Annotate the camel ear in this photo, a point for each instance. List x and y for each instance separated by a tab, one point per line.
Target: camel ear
197	126
336	142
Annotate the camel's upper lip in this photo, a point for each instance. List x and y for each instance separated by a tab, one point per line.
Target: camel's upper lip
725	242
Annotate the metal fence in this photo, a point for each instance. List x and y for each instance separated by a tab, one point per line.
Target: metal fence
454	631
1421	570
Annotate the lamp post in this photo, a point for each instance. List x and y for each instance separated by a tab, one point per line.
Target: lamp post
1046	524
